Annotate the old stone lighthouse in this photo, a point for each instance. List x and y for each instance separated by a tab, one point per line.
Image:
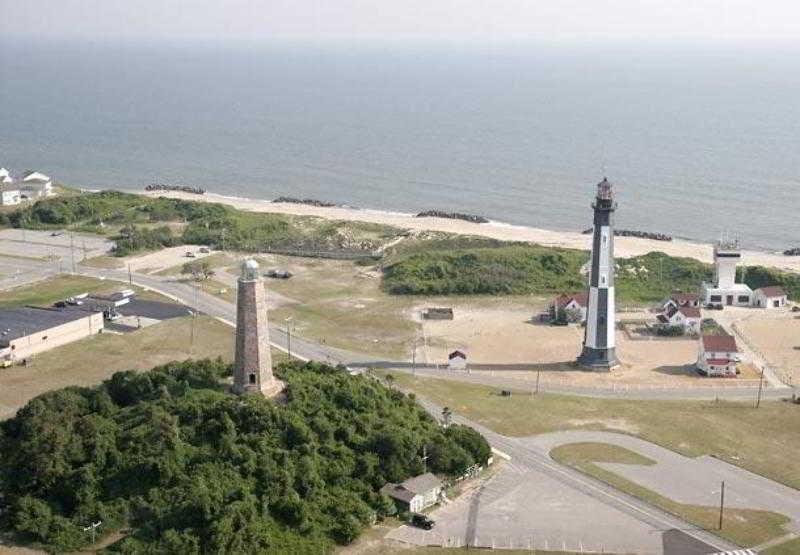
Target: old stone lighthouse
252	371
598	343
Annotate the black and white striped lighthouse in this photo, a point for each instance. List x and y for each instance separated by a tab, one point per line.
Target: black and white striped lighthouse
598	343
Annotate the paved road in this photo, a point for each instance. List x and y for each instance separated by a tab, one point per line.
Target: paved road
694	481
516	509
32	270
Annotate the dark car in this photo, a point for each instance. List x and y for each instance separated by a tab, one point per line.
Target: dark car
422	521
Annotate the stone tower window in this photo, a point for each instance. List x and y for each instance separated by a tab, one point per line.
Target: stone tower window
252	378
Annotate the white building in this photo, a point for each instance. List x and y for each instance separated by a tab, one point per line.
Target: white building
687	317
5	177
457	360
724	290
773	296
573	305
35	185
415	494
9	195
27	331
718	356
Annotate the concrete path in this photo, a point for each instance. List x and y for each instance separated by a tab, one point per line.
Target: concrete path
694	481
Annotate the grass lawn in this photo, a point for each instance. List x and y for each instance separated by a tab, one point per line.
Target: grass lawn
342	305
50	290
745	527
91	360
764	440
792	547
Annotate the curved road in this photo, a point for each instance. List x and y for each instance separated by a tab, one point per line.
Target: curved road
19	271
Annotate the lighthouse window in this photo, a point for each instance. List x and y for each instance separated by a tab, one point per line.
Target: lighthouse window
252	379
603	280
604	239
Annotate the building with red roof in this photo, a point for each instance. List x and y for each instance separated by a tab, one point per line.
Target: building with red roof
719	355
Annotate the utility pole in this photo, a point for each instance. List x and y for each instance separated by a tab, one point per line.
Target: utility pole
72	249
414	358
91	528
289	337
721	503
538	371
425	458
760	387
130	275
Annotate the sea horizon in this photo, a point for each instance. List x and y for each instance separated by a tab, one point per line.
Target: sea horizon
699	140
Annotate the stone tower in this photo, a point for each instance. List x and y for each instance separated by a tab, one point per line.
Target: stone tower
252	371
598	343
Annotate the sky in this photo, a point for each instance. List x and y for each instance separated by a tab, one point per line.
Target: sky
456	20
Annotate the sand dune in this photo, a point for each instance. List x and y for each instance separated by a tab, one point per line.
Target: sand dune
623	246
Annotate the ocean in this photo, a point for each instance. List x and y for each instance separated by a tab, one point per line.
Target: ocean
698	140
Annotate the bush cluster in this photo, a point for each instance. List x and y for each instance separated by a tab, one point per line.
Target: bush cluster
188	468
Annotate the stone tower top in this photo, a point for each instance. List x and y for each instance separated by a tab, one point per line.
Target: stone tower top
249	269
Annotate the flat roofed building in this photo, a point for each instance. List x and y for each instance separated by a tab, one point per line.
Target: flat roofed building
724	290
27	331
415	494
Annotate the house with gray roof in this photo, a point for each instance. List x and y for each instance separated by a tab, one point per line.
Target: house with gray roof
415	494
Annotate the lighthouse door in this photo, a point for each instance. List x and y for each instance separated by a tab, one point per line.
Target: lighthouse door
729	300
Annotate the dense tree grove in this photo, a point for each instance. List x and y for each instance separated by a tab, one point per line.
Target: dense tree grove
186	468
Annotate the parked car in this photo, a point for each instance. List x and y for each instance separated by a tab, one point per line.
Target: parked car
190	254
714	306
422	521
205	250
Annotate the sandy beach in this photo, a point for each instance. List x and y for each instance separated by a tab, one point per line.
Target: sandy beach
623	246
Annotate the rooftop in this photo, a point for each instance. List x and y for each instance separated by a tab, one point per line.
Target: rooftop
720	344
20	322
690	311
772	291
413	486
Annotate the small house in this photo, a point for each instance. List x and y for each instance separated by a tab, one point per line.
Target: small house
35	185
574	307
773	296
718	355
687	317
415	494
457	360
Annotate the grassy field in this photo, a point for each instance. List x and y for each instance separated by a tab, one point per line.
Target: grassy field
792	547
341	304
105	262
764	440
50	290
91	360
744	527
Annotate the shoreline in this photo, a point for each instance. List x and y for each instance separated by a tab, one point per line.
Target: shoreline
624	247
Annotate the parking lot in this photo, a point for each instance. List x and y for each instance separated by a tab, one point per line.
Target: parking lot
52	245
